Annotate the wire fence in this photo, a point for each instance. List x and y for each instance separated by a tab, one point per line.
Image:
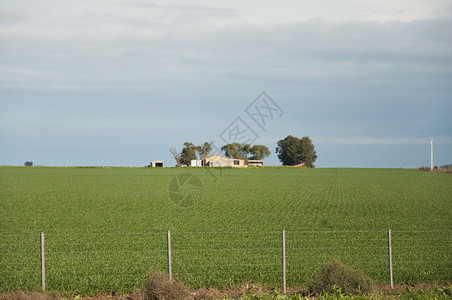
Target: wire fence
118	262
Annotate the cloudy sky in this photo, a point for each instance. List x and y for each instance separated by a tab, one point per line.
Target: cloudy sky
120	82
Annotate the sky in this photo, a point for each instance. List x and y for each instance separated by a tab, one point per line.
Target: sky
119	83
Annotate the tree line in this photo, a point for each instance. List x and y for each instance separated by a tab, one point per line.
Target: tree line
290	150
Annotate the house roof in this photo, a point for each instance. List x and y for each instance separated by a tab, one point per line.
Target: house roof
299	165
219	156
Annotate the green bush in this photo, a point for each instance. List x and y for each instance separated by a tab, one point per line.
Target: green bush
335	277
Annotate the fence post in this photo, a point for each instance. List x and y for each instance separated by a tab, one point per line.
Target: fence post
391	285
284	261
43	264
170	272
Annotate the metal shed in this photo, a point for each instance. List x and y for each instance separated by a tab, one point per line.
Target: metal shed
157	164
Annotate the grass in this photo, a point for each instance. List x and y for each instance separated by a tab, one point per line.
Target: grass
105	228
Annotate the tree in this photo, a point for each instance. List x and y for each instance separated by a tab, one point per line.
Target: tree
28	164
292	151
259	152
309	154
204	150
188	153
245	151
236	150
177	156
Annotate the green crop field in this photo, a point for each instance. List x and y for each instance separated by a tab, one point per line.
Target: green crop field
106	227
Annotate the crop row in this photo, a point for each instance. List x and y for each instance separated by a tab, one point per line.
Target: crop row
218	259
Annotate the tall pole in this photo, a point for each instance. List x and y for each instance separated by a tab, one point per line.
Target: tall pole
431	153
170	270
284	261
43	264
391	282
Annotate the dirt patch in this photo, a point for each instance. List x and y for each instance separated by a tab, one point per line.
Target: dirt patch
20	295
400	288
237	292
245	289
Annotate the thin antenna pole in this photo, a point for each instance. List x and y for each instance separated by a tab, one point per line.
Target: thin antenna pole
431	153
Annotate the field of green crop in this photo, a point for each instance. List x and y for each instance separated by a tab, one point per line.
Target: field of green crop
106	227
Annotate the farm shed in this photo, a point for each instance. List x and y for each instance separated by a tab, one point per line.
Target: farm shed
196	163
256	162
221	161
157	164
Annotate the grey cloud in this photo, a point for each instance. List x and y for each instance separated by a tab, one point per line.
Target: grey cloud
185	8
8	18
372	141
177	15
290	53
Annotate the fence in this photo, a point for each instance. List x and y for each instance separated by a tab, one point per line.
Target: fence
118	262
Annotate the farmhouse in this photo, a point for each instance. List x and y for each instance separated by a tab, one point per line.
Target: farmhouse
156	164
216	160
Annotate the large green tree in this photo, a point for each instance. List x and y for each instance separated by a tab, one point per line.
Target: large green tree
236	150
259	152
203	150
292	151
188	153
245	151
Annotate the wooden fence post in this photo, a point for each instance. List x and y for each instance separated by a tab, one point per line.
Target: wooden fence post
391	285
284	261
170	271
43	264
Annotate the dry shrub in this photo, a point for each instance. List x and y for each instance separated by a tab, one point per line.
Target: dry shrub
20	295
247	289
442	169
207	293
157	286
336	277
